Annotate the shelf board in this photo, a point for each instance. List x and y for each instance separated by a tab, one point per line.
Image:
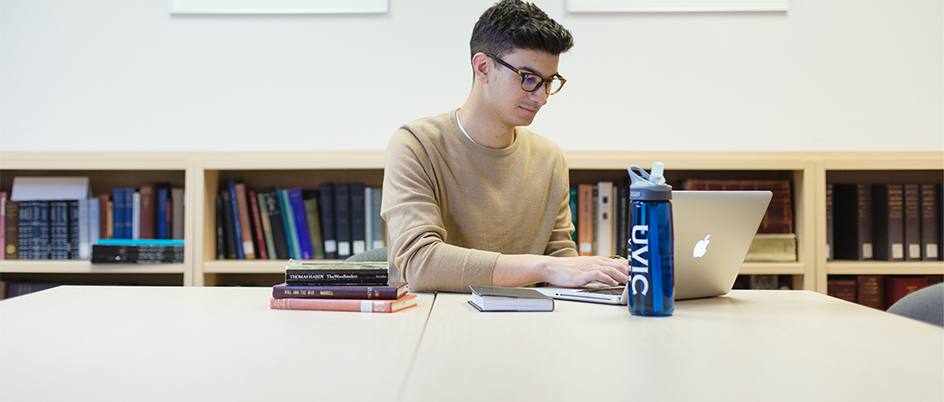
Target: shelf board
772	268
85	267
885	268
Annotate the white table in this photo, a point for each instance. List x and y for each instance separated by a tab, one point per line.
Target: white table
750	346
203	344
76	343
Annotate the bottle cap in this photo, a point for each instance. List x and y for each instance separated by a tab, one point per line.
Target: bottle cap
649	187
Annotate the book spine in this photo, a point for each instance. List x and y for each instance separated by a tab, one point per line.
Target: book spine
58	230
912	229
929	223
314	228
871	291
266	226
301	223
82	229
328	226
257	224
275	220
842	287
888	220
288	222
129	211
104	211
364	306
41	232
342	218
12	228
237	223
340	276
148	191
622	220
337	292
94	220
897	287
229	226
135	215
3	224
74	230
574	211
25	230
220	230
118	207
163	218
830	243
378	228
177	213
245	222
358	219
585	219
604	218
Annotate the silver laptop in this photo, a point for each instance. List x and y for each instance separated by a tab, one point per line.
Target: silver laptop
713	231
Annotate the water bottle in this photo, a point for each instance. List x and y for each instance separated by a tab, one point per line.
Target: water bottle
651	249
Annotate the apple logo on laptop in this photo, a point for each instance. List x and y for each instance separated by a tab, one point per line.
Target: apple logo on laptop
701	247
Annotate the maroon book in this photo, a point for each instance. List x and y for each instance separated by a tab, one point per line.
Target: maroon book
897	287
871	291
391	291
148	191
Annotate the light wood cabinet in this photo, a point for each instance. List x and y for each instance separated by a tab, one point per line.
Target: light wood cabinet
200	173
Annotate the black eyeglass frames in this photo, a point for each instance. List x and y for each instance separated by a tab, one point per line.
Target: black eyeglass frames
531	82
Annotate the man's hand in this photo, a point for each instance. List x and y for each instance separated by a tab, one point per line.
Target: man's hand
520	270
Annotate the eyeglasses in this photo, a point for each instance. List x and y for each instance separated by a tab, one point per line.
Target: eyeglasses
531	82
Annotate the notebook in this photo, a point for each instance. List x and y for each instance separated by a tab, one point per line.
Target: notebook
713	231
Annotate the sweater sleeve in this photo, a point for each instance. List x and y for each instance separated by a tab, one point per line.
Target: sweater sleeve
415	230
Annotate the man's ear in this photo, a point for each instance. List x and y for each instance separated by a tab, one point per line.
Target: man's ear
481	67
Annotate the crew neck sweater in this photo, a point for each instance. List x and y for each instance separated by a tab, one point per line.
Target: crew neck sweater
453	206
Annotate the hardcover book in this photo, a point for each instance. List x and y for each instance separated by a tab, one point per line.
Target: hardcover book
11	228
779	215
314	228
342	218
888	218
358	219
852	222
266	226
364	306
335	273
392	291
245	221
585	219
236	227
275	220
842	287
132	254
897	287
148	191
327	221
871	291
501	299
259	236
604	219
929	223
301	223
912	231
288	223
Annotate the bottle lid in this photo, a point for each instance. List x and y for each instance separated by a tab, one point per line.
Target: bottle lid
649	186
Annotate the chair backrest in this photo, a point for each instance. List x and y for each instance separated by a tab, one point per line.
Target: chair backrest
924	304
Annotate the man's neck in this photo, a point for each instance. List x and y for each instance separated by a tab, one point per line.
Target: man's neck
484	129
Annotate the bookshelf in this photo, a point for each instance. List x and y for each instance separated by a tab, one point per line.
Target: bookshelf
201	172
105	170
870	168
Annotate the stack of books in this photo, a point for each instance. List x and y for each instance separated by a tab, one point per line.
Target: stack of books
340	286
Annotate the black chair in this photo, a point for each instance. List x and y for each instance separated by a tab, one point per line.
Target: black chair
924	304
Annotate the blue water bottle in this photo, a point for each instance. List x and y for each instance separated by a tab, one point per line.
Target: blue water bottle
651	248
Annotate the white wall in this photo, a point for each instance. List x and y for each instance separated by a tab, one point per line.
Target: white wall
126	75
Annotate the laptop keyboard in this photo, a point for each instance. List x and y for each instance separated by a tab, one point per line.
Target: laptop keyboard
617	290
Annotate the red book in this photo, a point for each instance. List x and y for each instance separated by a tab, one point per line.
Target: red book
245	227
897	287
257	221
585	219
364	306
148	193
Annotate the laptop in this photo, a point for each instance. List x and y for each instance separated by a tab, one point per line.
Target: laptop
713	231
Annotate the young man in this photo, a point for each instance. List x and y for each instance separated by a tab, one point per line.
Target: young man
471	196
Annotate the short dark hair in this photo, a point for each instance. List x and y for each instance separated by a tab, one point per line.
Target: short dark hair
514	24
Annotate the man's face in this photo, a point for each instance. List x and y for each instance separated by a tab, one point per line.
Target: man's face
516	106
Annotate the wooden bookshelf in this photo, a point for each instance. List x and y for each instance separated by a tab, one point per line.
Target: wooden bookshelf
201	172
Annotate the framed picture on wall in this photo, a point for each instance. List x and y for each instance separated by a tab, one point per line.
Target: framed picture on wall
660	6
278	6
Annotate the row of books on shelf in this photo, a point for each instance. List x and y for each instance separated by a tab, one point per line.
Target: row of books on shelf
889	222
877	291
65	229
600	215
334	221
340	286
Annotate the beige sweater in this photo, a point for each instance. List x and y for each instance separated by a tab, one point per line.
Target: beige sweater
452	206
